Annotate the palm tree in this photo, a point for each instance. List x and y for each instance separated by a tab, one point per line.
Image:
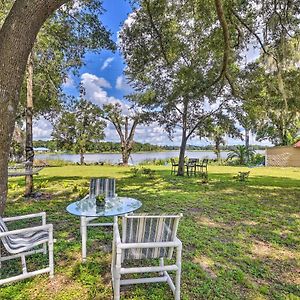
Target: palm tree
242	153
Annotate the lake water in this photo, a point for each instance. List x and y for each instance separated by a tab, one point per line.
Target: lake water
136	158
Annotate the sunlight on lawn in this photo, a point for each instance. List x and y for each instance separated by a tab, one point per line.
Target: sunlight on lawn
240	239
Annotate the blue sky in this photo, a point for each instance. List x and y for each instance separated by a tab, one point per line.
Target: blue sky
104	82
116	13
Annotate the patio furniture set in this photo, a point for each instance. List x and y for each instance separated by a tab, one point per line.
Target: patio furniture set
193	166
142	237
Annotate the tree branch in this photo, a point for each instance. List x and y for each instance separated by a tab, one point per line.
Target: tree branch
204	118
160	40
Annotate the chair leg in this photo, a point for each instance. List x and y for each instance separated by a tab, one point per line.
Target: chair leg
161	264
83	228
178	273
24	267
113	261
117	276
50	249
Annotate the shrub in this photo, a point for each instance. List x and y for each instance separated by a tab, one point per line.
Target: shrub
258	159
134	171
148	171
42	184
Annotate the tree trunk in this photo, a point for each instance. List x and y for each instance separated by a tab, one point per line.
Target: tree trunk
181	164
125	156
247	143
218	152
29	138
17	36
81	157
247	138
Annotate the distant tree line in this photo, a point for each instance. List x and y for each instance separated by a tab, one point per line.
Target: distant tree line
99	146
114	147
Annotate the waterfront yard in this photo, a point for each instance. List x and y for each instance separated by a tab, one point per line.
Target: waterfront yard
241	240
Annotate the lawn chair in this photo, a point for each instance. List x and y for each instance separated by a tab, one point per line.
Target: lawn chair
202	167
174	166
23	242
98	186
143	238
191	166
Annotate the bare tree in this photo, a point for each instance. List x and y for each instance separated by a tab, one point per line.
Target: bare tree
125	126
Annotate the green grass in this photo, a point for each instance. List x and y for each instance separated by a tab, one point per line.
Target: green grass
240	239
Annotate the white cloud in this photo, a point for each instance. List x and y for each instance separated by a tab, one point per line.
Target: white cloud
42	129
95	80
95	91
107	63
122	84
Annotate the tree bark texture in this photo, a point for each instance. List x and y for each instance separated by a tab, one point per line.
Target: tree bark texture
29	137
125	154
247	143
181	163
81	157
218	151
17	36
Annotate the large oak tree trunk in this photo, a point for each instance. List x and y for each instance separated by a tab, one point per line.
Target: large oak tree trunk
17	36
126	151
29	137
125	156
181	164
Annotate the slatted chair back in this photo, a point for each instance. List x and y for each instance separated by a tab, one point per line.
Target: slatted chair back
173	162
193	161
204	162
16	243
105	186
4	239
149	229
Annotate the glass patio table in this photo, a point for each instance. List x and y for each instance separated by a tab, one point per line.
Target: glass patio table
87	208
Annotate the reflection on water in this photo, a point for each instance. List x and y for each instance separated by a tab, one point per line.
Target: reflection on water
136	158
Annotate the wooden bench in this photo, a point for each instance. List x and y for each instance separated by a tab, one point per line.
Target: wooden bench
24	169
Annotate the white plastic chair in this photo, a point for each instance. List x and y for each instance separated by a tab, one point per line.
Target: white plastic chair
98	186
23	242
146	237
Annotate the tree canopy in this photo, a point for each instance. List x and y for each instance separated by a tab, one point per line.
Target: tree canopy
77	126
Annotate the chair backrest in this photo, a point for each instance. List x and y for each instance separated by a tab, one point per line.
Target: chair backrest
193	161
149	229
172	161
105	186
204	162
5	240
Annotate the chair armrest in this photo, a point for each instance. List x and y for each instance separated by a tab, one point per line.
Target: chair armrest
30	216
48	227
178	242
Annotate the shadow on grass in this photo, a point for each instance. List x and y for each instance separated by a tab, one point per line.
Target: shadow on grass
244	233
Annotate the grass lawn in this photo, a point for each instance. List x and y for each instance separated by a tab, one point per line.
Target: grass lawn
240	240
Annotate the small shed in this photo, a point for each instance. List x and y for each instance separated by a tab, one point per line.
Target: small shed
283	156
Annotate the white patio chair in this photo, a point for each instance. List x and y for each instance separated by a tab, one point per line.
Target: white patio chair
146	237
98	186
23	242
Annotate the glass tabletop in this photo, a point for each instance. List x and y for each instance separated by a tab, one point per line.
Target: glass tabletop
87	207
